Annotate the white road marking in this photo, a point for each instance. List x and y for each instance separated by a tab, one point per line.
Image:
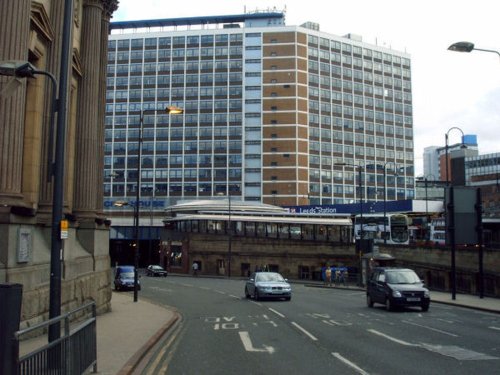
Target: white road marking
277	312
335	323
446	321
350	364
247	344
305	332
497	328
453	351
401	342
430	328
458	353
220	292
232	295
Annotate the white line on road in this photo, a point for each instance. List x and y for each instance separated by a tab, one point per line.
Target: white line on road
445	320
430	328
232	295
350	364
277	312
305	332
247	343
220	292
497	328
453	351
391	338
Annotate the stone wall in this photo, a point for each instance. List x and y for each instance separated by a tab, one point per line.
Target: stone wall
433	264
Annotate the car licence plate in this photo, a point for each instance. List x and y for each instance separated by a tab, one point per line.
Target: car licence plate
413	299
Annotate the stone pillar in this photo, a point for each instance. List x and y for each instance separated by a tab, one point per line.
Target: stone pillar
14	36
109	7
53	66
87	149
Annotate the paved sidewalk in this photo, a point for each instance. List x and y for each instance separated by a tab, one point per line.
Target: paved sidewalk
125	335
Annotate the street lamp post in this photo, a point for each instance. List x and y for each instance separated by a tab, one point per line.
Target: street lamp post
24	69
169	110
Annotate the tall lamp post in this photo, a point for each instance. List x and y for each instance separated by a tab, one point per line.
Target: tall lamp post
469	47
24	69
171	110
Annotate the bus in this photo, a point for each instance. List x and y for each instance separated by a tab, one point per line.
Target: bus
394	232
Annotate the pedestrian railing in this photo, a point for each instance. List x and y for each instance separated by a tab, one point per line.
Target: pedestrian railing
75	352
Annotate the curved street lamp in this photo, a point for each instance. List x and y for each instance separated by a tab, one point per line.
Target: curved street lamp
469	47
170	110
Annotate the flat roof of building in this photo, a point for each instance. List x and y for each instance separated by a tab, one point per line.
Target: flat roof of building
189	21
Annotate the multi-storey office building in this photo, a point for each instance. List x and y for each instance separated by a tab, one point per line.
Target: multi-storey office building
484	171
286	115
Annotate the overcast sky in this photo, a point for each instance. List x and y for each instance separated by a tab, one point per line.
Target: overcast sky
449	88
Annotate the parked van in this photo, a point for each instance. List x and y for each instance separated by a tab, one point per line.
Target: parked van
124	278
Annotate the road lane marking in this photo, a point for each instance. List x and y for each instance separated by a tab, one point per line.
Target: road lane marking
232	295
452	351
457	352
305	332
355	367
445	320
497	328
430	328
277	312
220	291
335	323
401	342
247	344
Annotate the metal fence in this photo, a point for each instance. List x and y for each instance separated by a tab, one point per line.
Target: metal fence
75	352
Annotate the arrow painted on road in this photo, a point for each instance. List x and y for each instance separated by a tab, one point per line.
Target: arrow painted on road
247	343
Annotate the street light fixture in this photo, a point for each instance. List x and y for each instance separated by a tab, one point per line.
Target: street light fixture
170	110
469	47
24	69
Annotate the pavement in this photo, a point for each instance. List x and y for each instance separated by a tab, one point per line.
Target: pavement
127	333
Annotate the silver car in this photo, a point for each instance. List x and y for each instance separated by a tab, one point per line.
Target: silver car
267	285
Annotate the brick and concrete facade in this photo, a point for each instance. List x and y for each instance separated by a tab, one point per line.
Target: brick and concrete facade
32	31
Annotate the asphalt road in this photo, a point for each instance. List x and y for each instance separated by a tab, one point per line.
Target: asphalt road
329	331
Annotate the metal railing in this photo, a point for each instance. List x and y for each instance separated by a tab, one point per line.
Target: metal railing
73	353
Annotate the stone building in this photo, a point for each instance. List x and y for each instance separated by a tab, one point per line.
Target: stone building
32	31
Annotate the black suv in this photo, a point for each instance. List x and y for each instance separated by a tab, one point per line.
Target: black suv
395	287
